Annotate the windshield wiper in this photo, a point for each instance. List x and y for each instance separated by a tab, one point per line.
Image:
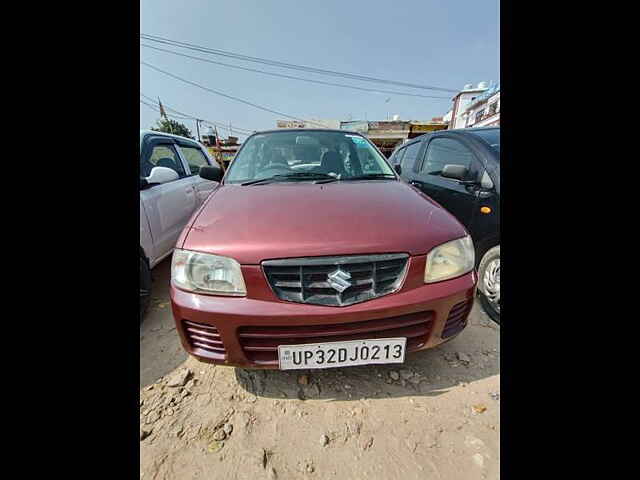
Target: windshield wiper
370	176
293	176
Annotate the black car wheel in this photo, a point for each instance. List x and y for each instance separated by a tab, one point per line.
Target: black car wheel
489	283
145	287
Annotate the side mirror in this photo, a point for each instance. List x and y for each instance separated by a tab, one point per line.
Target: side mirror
143	183
162	175
485	182
457	172
398	168
213	173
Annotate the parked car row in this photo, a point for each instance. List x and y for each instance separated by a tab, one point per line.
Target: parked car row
312	252
170	191
460	169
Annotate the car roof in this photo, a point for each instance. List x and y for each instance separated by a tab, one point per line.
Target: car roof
456	131
465	131
144	133
334	130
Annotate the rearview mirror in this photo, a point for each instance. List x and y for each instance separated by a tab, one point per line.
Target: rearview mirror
213	173
162	175
398	168
457	172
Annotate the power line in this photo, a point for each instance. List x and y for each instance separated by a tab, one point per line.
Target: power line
275	63
157	109
227	96
281	75
260	107
186	116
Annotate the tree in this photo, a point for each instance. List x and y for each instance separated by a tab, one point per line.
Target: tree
171	126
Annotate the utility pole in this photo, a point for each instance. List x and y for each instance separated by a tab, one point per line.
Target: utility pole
163	113
198	127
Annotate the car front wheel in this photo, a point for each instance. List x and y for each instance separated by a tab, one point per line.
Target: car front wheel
145	287
489	283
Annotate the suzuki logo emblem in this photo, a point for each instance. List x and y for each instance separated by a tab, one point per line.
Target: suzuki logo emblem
339	280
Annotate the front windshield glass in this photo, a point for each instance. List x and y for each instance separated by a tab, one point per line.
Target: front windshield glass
305	155
492	137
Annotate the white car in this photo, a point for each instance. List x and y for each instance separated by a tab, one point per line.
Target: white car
171	190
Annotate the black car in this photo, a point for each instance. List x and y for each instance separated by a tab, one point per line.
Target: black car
460	169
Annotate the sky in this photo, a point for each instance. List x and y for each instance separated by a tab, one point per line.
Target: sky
438	43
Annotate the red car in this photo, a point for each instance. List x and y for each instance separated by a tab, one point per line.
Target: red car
313	253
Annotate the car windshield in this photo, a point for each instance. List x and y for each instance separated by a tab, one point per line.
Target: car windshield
307	156
491	136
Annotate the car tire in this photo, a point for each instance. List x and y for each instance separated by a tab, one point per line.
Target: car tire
145	287
489	283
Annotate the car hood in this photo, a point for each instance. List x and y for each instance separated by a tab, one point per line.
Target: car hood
285	220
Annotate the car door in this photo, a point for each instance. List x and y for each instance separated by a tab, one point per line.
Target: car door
397	157
168	206
194	157
485	227
458	197
407	160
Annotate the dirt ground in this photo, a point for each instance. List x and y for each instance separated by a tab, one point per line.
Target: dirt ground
435	417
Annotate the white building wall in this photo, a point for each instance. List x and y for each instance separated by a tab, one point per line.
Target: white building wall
328	123
469	116
310	123
464	100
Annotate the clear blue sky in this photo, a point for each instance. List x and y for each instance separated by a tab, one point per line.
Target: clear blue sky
439	43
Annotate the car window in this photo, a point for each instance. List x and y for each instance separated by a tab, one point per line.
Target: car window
411	152
397	158
406	162
341	155
445	151
162	156
367	161
491	136
195	158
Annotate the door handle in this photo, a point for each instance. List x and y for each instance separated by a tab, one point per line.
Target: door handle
415	183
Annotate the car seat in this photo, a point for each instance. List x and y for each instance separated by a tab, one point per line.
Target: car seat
276	158
331	162
168	163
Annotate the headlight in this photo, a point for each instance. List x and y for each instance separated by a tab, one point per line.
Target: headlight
450	260
201	272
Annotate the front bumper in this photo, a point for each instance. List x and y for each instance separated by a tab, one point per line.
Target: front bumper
245	331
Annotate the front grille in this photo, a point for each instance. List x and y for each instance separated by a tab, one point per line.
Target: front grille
260	343
205	338
457	319
306	280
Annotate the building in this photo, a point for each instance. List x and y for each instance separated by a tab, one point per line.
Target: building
222	149
310	123
484	111
420	128
385	134
461	102
388	134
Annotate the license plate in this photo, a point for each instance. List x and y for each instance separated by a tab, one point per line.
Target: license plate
342	354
